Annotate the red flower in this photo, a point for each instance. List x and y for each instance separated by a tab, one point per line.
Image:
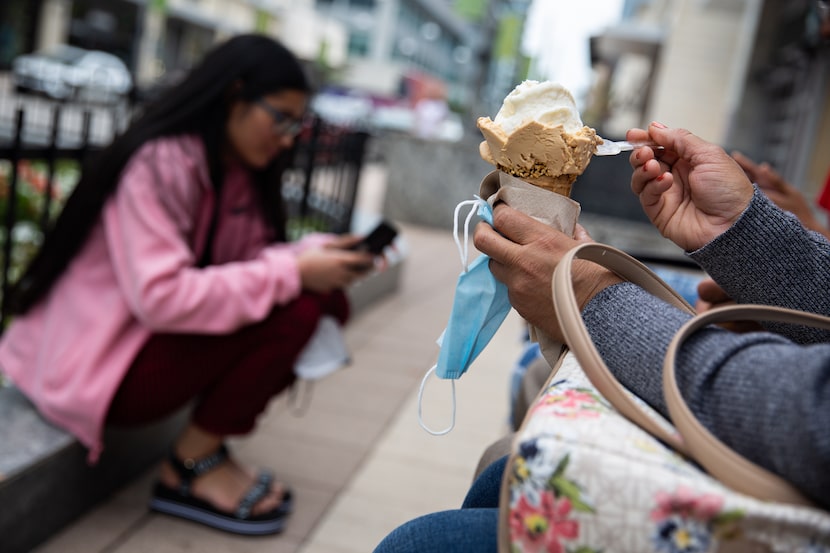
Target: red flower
540	528
687	504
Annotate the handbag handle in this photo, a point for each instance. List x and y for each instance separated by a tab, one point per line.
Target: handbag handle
722	462
580	343
692	439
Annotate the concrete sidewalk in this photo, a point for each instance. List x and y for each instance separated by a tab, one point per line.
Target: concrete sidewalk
358	461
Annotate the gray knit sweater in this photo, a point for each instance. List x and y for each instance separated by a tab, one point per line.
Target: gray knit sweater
767	395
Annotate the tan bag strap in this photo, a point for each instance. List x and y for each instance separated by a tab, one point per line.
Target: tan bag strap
580	343
698	443
722	462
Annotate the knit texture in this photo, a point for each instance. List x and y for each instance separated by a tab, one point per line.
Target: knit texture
761	393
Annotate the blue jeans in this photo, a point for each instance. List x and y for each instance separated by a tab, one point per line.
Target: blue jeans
470	529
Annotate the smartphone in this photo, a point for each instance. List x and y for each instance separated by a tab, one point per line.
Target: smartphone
378	239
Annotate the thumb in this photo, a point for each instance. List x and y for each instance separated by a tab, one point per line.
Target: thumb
679	143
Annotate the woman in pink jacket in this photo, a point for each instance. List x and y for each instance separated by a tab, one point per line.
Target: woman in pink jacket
168	280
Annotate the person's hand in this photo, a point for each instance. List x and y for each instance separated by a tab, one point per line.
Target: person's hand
348	241
710	295
343	242
782	193
333	267
692	190
524	253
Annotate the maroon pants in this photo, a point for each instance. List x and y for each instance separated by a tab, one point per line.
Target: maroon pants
232	377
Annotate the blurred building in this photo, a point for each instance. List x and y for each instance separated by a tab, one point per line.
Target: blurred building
468	50
752	75
397	43
160	37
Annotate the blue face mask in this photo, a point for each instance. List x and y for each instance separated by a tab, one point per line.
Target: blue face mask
479	308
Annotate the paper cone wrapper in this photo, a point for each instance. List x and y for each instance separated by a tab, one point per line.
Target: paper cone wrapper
556	210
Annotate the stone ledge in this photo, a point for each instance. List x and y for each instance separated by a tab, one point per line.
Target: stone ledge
46	482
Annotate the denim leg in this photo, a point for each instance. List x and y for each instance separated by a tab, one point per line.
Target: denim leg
458	531
485	491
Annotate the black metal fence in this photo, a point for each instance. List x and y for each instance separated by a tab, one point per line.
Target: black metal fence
319	189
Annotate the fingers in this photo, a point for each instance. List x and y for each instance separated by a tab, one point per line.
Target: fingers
767	178
350	258
581	235
749	166
349	266
516	226
344	241
489	242
514	230
679	142
637	135
651	179
642	155
709	292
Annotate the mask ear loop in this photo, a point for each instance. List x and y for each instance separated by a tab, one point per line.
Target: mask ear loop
463	251
448	429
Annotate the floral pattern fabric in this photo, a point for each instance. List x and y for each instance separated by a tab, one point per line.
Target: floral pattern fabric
583	479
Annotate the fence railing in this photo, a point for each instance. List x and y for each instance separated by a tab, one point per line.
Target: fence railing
39	154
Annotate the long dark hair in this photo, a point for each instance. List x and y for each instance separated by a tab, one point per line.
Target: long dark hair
242	68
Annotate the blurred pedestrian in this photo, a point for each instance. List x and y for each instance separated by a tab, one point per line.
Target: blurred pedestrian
430	113
168	281
785	195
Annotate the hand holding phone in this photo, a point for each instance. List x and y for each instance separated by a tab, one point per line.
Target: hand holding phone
377	240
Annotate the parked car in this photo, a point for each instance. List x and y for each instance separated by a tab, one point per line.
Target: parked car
65	72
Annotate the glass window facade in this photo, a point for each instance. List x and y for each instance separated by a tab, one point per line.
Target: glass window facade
423	44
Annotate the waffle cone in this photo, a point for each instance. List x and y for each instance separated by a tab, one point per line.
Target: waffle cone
560	185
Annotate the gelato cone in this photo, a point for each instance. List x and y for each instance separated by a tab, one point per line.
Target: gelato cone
538	137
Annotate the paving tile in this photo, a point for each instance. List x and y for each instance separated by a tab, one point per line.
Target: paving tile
165	534
313	463
402	482
310	506
357	523
362	394
322	423
105	525
327	548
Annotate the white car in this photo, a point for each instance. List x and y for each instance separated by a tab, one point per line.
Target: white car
65	72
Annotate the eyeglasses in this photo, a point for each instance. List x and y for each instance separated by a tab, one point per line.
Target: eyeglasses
284	124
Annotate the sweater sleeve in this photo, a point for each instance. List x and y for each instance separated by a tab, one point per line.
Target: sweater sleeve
763	395
766	395
768	257
155	264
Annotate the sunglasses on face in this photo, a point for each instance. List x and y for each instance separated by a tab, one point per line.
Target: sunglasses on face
284	124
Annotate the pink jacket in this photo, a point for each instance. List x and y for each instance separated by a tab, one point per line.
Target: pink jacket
137	275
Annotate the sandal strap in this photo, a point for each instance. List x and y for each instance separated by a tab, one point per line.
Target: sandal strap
189	469
255	494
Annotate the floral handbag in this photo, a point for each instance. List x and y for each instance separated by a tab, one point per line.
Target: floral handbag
587	471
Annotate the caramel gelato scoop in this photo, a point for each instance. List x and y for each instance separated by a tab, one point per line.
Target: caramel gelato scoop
538	137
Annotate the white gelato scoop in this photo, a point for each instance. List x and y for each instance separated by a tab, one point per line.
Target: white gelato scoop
547	102
538	136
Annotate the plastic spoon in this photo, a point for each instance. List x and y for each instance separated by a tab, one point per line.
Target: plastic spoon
611	148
